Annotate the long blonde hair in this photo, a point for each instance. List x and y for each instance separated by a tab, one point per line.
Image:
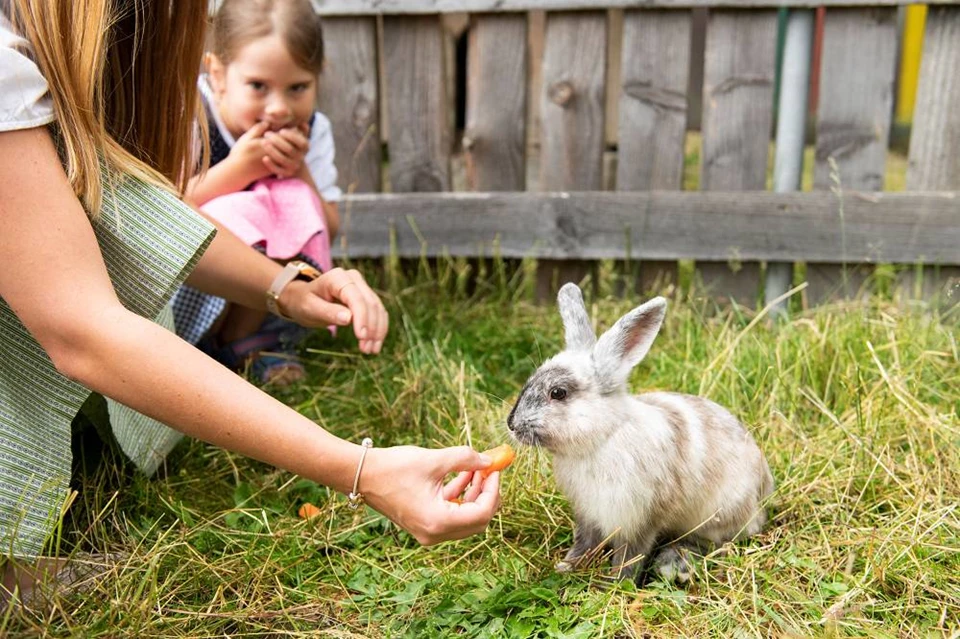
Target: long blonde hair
123	77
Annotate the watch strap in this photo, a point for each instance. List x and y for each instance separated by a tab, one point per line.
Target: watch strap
293	270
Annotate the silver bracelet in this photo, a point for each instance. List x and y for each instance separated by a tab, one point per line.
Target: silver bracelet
356	498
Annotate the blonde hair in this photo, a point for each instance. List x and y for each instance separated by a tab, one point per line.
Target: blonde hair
239	22
123	77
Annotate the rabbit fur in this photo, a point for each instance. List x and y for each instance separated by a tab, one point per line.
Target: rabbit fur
638	469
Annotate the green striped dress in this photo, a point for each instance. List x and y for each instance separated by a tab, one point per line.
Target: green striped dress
150	241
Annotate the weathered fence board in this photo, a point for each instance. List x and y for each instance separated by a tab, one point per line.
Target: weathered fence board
495	137
879	227
386	7
349	97
739	69
935	141
571	118
420	125
853	124
571	102
654	71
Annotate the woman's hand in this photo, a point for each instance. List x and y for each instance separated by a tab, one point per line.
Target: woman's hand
285	150
406	484
338	297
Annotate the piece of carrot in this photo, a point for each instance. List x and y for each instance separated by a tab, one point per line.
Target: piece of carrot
502	457
308	511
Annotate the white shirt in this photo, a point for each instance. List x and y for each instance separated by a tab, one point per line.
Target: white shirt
25	101
320	153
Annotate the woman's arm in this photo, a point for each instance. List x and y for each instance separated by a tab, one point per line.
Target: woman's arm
75	315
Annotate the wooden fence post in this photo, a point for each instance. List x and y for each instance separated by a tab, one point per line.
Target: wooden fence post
349	97
654	72
853	125
935	141
739	69
571	115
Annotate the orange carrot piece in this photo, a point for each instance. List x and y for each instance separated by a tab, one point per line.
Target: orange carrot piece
308	511
502	457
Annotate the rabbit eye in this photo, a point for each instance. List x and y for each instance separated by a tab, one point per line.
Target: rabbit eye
558	393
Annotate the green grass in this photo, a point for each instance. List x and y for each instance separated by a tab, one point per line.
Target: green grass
856	406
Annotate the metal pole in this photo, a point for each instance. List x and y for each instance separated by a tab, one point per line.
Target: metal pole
791	126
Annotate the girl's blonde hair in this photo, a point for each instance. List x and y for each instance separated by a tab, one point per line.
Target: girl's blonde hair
239	22
123	77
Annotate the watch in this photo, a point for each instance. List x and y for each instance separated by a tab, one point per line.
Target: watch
294	270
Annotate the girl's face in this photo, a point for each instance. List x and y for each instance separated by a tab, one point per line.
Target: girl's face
263	83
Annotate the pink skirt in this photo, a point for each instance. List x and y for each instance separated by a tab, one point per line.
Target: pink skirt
284	216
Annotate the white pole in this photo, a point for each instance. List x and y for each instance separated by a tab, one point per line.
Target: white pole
791	126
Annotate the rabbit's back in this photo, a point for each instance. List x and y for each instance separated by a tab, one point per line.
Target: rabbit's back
720	475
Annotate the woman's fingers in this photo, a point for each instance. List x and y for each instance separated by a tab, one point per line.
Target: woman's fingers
368	315
455	487
370	320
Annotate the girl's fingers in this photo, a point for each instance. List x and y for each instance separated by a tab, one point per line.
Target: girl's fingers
256	131
277	141
295	139
272	166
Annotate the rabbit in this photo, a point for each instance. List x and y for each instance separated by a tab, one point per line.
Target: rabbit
638	469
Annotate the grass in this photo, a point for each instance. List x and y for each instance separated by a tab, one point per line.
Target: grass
856	406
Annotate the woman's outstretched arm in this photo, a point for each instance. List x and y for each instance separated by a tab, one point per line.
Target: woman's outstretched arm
55	280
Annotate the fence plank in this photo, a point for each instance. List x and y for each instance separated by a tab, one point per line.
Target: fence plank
407	7
571	118
495	136
882	227
853	123
935	139
655	69
739	69
420	126
349	97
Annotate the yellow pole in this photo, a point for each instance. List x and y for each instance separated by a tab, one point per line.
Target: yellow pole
914	20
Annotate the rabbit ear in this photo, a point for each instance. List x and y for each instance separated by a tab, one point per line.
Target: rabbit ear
627	342
576	323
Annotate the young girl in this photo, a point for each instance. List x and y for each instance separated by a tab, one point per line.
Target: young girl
271	179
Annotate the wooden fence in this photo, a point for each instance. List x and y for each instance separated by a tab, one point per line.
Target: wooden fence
574	196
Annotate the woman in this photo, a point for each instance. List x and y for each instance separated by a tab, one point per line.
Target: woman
95	129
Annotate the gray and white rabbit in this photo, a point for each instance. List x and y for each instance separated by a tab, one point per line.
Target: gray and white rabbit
638	469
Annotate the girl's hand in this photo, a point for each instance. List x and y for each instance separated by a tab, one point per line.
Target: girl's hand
406	484
285	150
338	297
247	155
